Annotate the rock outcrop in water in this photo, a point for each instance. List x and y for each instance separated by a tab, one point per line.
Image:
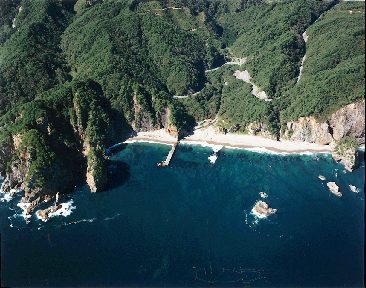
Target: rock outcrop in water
333	187
44	214
262	210
263	194
353	188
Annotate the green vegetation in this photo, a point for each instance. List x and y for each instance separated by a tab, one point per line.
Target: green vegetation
239	107
206	104
31	59
334	71
346	143
269	35
8	11
78	76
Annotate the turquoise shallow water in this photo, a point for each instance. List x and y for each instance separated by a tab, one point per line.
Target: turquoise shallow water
190	225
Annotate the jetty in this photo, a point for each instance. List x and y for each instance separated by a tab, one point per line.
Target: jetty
169	157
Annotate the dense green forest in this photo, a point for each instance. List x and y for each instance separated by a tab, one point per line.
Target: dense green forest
78	76
334	72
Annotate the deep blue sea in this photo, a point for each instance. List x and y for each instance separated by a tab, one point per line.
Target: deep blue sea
190	224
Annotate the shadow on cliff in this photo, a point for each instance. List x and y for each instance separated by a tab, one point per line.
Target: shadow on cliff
360	159
118	173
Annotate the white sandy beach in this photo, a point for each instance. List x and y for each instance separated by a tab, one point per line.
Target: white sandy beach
207	136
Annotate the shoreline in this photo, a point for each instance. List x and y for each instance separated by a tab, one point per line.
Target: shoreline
208	137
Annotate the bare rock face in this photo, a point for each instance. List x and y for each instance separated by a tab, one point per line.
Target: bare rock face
15	178
143	119
347	121
91	181
169	127
346	152
259	129
348	159
5	155
96	182
307	129
97	174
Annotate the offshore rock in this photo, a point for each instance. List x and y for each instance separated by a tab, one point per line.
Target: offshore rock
353	188
263	194
44	214
33	204
333	187
262	210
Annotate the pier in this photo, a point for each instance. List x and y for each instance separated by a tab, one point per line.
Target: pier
169	157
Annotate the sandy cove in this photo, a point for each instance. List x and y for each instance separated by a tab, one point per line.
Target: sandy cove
207	136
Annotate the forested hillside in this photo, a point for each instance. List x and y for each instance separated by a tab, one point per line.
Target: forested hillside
78	76
334	72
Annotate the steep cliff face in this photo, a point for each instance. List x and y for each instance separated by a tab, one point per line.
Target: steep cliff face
92	125
260	129
345	152
17	172
144	119
347	121
35	170
96	172
5	153
308	129
49	147
347	158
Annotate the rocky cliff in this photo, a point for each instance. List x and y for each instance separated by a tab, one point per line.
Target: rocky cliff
346	152
347	121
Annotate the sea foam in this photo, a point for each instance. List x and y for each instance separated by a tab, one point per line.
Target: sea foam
65	210
24	207
213	158
5	197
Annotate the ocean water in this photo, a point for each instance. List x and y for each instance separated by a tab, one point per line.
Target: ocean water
190	224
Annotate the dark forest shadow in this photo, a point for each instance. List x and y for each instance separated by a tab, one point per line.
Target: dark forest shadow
118	174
